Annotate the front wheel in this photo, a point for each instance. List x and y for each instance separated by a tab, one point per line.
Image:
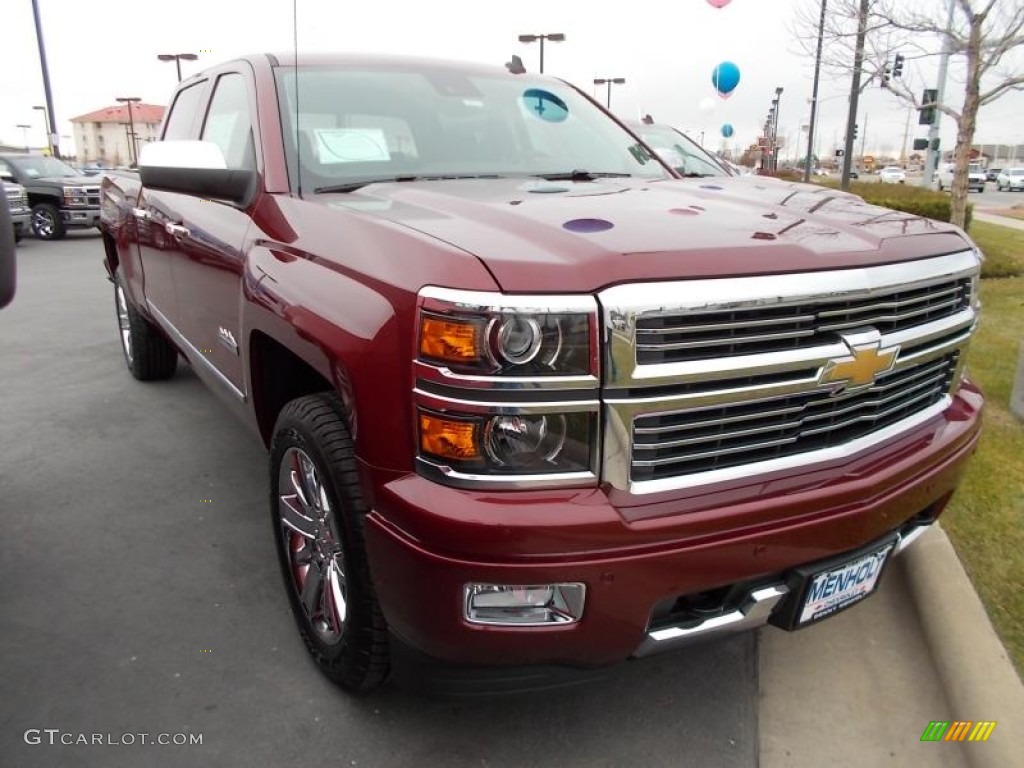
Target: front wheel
147	352
47	223
317	510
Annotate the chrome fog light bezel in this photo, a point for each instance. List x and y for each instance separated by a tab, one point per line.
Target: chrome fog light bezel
533	605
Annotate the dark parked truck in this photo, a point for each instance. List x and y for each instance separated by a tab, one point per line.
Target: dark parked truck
59	196
531	399
17	205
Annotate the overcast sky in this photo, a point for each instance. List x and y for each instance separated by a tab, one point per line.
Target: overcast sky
666	49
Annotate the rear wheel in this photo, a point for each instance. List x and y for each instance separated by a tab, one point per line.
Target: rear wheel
47	223
318	510
147	352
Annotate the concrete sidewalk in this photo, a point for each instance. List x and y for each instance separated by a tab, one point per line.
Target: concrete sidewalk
1003	221
859	689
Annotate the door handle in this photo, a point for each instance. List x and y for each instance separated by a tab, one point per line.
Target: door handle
176	230
141	213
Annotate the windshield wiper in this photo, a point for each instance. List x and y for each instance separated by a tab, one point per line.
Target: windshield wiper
352	186
582	175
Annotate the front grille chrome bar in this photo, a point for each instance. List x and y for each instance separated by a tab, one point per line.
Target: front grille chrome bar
675	423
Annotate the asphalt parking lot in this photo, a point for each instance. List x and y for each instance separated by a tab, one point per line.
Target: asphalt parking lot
140	593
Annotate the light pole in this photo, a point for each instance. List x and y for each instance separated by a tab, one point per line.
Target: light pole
51	127
46	127
609	81
814	96
24	134
178	57
775	144
554	37
132	149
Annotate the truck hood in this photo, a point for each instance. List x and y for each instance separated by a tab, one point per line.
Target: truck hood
540	236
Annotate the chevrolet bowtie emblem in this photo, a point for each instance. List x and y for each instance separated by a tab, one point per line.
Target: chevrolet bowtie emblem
865	363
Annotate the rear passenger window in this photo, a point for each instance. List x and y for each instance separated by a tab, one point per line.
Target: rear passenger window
183	113
228	124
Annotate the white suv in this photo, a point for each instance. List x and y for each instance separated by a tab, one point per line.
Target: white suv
1010	179
975	177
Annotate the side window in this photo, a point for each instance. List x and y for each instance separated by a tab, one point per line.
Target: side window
183	113
228	123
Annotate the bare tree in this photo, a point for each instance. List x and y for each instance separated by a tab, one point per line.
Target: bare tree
984	37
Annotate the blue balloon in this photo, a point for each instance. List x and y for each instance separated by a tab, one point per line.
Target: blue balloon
727	130
725	77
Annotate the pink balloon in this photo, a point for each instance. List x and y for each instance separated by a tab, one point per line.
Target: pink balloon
719	3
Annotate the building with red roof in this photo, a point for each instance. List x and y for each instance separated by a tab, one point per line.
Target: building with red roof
102	136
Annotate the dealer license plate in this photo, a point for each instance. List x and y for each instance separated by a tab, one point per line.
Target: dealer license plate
840	587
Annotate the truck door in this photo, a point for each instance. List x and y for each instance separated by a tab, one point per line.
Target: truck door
158	217
208	274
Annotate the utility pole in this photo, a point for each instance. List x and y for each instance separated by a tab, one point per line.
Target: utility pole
864	140
851	117
52	119
932	156
814	96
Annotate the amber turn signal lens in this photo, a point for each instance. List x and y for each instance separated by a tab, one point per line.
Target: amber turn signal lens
450	340
448	438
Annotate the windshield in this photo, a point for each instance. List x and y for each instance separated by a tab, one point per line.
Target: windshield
39	166
679	151
1017	172
361	124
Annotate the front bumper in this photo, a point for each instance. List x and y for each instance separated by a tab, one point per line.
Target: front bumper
427	541
21	218
81	217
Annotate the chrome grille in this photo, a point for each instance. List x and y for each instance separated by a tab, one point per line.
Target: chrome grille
686	442
663	338
712	380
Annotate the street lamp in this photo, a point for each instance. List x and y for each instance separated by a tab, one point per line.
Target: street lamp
46	126
775	150
24	133
132	149
177	59
609	81
554	37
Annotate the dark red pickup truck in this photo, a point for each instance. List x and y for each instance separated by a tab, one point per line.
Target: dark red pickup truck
532	399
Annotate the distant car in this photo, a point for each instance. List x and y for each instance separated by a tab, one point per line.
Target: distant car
677	149
892	174
975	177
992	174
1011	180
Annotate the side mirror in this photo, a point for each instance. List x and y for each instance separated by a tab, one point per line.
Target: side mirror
195	168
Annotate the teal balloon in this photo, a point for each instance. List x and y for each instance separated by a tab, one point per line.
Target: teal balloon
727	130
725	77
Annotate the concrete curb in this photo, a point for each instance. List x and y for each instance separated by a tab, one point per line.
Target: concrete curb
977	674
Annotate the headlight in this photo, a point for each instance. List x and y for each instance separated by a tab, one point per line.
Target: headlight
520	444
75	196
507	335
506	388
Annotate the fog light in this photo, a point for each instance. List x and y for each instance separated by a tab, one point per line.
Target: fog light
521	605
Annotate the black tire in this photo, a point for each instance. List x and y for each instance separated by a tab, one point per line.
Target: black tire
351	650
147	352
47	223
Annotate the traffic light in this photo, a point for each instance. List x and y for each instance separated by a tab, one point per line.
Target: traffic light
885	76
897	65
854	131
928	113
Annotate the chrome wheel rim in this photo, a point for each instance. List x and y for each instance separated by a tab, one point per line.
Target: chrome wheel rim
43	223
122	320
311	545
